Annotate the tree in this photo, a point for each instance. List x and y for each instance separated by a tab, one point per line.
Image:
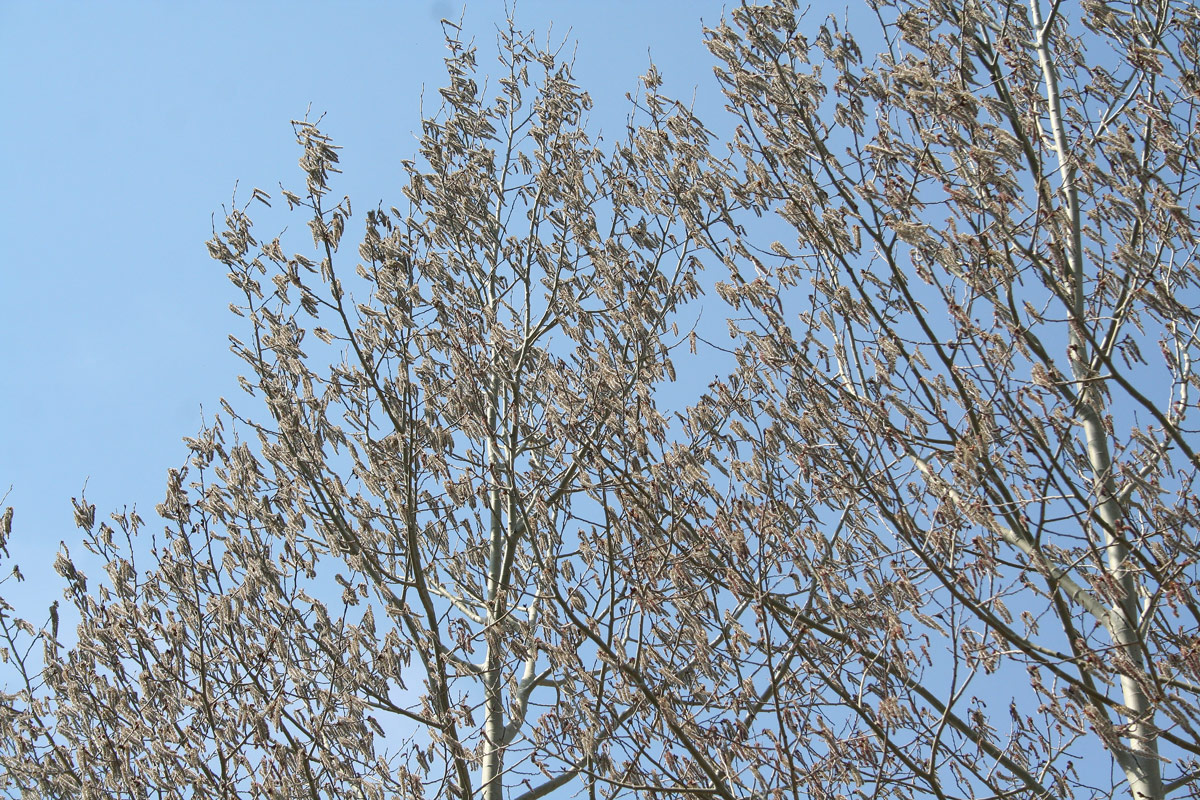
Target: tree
412	586
933	533
974	447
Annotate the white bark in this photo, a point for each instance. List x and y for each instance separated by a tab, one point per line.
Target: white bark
1141	764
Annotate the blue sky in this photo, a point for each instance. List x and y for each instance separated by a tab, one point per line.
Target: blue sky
126	126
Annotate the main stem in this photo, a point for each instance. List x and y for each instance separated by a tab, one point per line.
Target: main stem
492	784
1141	765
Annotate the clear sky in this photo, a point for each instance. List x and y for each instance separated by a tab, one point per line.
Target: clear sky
125	127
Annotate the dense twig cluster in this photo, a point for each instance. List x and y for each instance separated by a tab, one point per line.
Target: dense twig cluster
933	533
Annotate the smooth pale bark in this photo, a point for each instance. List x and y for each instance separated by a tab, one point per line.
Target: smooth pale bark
1141	764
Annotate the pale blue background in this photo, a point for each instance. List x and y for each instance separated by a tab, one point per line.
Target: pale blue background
124	127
